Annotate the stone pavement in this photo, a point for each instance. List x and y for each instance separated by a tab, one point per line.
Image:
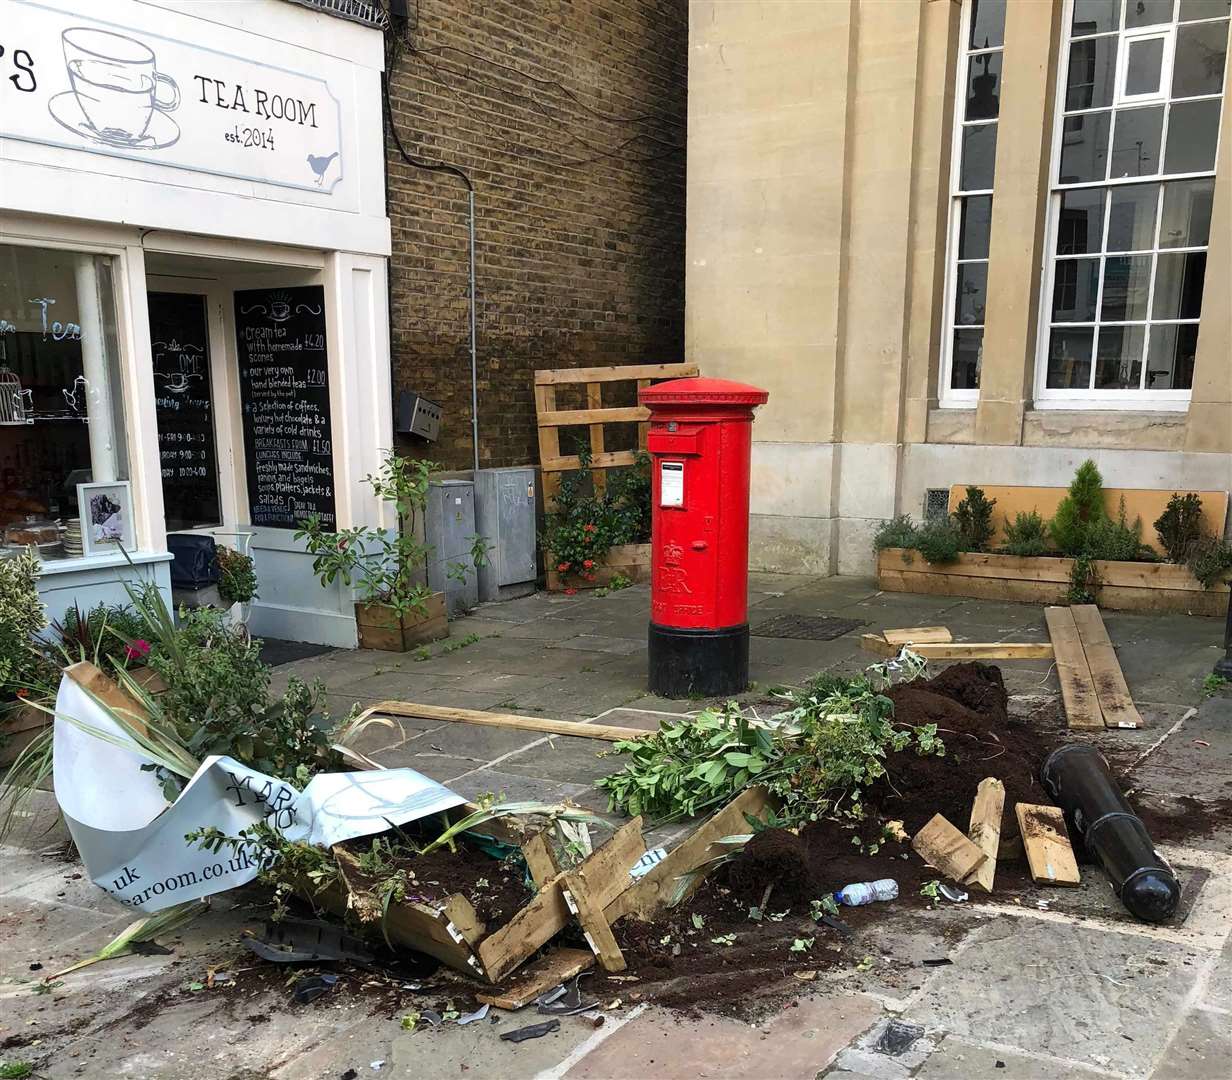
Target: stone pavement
1079	990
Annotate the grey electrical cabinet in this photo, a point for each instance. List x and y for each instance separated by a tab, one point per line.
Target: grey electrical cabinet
449	525
505	517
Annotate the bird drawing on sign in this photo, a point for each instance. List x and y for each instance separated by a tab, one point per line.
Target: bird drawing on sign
320	165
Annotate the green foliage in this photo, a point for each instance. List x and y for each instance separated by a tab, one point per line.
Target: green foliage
1116	540
584	526
1214	684
1026	535
931	891
24	670
973	517
898	532
1179	527
15	1070
237	577
940	540
1082	580
1210	560
109	636
689	764
1079	510
384	566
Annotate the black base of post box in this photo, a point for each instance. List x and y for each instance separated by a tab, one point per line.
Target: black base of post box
698	663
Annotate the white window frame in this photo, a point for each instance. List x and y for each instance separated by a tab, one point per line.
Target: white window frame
1121	96
947	396
1130	400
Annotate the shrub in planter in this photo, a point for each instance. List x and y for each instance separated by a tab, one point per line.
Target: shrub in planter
1179	527
1079	510
939	541
1116	540
237	577
898	532
973	516
583	526
27	675
110	636
1026	535
1210	560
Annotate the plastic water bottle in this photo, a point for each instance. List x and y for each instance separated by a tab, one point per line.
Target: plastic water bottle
865	892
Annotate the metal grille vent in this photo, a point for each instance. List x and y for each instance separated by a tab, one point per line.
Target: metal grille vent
368	12
806	627
936	503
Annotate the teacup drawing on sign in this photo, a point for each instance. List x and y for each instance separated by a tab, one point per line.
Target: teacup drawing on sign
118	97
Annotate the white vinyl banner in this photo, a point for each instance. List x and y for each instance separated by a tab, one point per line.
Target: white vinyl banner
133	844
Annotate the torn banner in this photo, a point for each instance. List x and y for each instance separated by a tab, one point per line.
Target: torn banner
133	844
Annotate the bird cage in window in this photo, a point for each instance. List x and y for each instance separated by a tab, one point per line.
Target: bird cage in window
12	398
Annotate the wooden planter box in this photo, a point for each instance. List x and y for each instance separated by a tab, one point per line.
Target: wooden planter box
1043	579
380	628
20	725
629	560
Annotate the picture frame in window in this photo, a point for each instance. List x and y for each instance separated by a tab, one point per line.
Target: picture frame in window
106	509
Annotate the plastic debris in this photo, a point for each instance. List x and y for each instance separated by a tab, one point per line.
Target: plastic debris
478	1014
310	987
647	862
302	941
548	996
433	1018
533	1031
937	961
835	923
865	892
376	1065
952	893
898	1036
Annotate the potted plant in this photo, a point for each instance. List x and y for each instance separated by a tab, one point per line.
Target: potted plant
237	583
394	609
26	673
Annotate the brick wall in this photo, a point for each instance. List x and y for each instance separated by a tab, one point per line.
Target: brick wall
579	217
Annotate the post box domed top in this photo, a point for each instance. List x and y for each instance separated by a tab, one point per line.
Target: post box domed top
702	392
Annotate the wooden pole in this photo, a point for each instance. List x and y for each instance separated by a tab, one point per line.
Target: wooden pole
542	724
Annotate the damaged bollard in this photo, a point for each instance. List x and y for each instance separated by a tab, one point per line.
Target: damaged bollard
1077	778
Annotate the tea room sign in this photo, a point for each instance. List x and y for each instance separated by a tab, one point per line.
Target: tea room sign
70	80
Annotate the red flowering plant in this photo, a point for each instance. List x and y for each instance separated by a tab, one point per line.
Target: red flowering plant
585	525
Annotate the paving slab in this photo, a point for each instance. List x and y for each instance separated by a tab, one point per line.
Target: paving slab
575	761
796	1044
1218	991
1200	1050
1194	760
515	787
616	646
958	1058
1065	991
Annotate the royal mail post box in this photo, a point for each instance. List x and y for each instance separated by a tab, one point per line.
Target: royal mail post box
699	443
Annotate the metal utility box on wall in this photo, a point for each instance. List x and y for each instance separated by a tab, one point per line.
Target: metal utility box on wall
505	517
449	524
418	416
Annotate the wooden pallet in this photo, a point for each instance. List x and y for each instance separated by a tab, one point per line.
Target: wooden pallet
551	419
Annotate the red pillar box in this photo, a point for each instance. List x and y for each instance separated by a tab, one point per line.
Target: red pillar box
699	442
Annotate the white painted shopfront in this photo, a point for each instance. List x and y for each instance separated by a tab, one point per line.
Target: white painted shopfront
193	297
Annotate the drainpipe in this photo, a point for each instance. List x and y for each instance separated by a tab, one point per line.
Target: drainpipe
1223	666
470	198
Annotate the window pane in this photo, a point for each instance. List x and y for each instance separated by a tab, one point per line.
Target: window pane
1201	52
987	23
1170	357
1135	142
1131	218
1144	67
1091	76
1118	357
1075	289
972	293
974	227
1187	213
1193	128
1127	283
1081	223
1204	9
968	352
983	82
1084	148
1069	359
1096	16
1178	285
979	157
1148	12
59	373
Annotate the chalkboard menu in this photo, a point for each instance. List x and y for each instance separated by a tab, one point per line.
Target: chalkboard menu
185	408
284	391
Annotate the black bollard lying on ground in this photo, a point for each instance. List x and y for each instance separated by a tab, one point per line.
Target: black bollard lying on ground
1077	778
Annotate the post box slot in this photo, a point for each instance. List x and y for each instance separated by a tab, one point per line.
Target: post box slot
675	442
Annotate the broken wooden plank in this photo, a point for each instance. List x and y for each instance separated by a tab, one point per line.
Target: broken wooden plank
985	830
1110	688
1082	707
540	859
920	635
653	888
541	724
1049	854
598	933
108	693
606	872
878	646
941	845
551	970
961	650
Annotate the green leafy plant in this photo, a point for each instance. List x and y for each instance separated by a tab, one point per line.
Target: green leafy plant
1214	684
1026	535
1082	581
26	673
15	1070
724	939
1079	510
458	643
237	576
108	636
940	540
584	525
931	891
802	944
1179	527
1116	540
1210	560
973	516
898	532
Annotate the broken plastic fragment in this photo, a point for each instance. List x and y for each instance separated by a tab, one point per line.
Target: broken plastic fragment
478	1014
951	892
533	1031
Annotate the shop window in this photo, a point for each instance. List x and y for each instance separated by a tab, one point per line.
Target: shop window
1132	186
61	402
971	180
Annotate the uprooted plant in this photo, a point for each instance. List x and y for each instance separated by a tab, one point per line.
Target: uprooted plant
817	756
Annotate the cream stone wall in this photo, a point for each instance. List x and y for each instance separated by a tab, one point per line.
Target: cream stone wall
818	180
